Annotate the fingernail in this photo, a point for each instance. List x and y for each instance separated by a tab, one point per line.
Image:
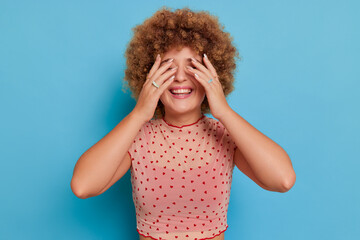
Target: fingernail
196	75
193	59
205	55
172	77
158	56
174	68
170	60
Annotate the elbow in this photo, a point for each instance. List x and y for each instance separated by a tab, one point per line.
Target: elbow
288	183
77	190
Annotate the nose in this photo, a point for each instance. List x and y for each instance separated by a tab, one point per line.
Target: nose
181	73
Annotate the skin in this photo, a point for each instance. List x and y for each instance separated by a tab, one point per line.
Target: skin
256	155
180	112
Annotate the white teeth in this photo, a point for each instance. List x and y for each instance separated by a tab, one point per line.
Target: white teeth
181	90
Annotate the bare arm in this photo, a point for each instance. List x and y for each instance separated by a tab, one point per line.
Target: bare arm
105	162
269	162
97	166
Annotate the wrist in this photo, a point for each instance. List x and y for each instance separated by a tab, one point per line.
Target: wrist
226	114
137	116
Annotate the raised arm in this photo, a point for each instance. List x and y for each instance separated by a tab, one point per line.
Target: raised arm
96	167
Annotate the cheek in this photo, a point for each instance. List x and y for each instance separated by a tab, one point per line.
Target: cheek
165	96
162	97
201	93
201	89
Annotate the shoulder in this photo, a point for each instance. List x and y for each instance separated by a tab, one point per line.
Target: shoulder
151	126
215	125
153	123
222	133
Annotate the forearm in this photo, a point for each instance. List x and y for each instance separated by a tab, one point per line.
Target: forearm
97	165
269	162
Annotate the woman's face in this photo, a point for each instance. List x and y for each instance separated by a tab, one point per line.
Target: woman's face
183	78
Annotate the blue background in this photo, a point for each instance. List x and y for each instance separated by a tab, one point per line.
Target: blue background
61	70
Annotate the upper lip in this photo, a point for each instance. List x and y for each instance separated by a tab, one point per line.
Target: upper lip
180	87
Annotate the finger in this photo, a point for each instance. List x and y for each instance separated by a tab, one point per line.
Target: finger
158	71
161	69
166	84
155	66
199	73
160	80
200	67
198	76
209	65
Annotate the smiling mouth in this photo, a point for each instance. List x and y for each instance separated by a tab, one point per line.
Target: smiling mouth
181	93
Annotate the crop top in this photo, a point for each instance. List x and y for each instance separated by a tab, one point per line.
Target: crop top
181	179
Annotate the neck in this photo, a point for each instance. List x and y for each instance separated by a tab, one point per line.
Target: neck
182	119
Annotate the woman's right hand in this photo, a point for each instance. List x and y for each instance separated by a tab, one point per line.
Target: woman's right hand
150	95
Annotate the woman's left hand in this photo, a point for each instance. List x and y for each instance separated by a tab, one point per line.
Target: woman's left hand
214	92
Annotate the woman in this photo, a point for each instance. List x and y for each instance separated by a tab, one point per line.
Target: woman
181	161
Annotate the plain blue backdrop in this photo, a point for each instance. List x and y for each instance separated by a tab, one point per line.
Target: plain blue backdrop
61	74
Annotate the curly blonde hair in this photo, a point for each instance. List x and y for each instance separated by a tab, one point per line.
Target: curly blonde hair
200	31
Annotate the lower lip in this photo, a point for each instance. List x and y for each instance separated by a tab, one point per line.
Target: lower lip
182	96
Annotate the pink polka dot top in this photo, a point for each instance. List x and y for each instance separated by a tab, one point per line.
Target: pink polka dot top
181	179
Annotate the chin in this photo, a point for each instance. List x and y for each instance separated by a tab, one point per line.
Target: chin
180	110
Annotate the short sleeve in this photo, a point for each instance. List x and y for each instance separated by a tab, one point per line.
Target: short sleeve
228	145
137	143
229	142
